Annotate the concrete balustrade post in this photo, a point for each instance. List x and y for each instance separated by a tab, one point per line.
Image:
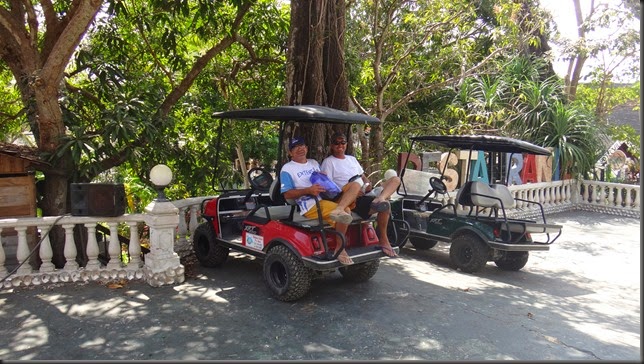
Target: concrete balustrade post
135	262
92	248
162	264
22	253
70	248
45	251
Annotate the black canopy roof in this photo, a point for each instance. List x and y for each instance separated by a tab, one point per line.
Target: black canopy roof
490	143
300	113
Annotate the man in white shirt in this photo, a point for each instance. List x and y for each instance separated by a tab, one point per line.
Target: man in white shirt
346	171
295	179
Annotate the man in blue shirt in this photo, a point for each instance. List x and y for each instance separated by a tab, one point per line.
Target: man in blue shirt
295	178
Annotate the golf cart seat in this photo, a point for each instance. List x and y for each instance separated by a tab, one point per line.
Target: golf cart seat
285	209
479	194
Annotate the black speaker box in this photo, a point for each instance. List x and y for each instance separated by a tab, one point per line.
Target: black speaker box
97	199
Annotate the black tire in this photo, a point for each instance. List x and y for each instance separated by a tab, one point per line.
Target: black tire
512	260
468	252
285	275
422	244
361	272
207	250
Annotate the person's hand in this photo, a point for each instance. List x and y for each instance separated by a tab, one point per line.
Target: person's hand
316	189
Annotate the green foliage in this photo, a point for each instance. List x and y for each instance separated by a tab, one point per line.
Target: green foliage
575	134
137	55
408	69
10	112
627	134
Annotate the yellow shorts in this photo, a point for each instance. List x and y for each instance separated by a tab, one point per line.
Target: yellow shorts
326	206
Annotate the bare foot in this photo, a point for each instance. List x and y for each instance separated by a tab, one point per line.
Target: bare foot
344	258
388	250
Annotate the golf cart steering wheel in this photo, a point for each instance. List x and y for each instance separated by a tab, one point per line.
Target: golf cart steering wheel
437	185
260	179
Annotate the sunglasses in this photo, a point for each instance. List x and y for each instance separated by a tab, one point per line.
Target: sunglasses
340	143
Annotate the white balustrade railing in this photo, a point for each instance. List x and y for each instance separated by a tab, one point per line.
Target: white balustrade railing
85	267
189	212
32	257
101	260
615	198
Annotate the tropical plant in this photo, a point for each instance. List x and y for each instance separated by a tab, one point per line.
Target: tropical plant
575	135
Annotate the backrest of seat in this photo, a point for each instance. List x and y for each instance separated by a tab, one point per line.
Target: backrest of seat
275	194
503	192
480	193
463	196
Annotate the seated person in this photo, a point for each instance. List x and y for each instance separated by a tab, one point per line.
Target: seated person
345	170
296	184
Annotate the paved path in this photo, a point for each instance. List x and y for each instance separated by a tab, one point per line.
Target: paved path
579	301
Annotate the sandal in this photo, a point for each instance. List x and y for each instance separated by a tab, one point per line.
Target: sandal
345	259
380	206
340	216
388	251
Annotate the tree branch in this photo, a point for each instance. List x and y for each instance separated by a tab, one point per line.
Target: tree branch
81	14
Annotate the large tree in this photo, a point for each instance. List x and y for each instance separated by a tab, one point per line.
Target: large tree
316	65
37	55
177	40
619	48
405	52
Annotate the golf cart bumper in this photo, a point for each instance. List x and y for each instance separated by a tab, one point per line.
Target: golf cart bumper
518	247
358	255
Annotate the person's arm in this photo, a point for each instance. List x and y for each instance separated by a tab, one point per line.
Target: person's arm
295	193
290	192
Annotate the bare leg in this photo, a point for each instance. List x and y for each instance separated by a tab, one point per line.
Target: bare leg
342	213
388	188
348	196
343	257
383	220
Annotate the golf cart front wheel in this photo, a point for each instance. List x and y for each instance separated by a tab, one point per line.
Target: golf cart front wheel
512	260
285	274
468	253
207	250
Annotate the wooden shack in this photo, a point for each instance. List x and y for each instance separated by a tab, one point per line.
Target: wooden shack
18	198
17	180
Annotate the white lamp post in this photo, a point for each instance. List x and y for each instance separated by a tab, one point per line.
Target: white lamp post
162	264
161	176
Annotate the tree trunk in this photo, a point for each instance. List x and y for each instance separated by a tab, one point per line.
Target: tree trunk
315	67
577	63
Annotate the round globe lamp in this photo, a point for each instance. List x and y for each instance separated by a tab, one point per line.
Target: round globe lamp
161	176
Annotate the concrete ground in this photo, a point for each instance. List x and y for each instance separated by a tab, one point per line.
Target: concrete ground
578	301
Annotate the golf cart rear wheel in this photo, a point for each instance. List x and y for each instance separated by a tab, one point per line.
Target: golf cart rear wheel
512	260
468	253
207	250
422	244
285	274
361	272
